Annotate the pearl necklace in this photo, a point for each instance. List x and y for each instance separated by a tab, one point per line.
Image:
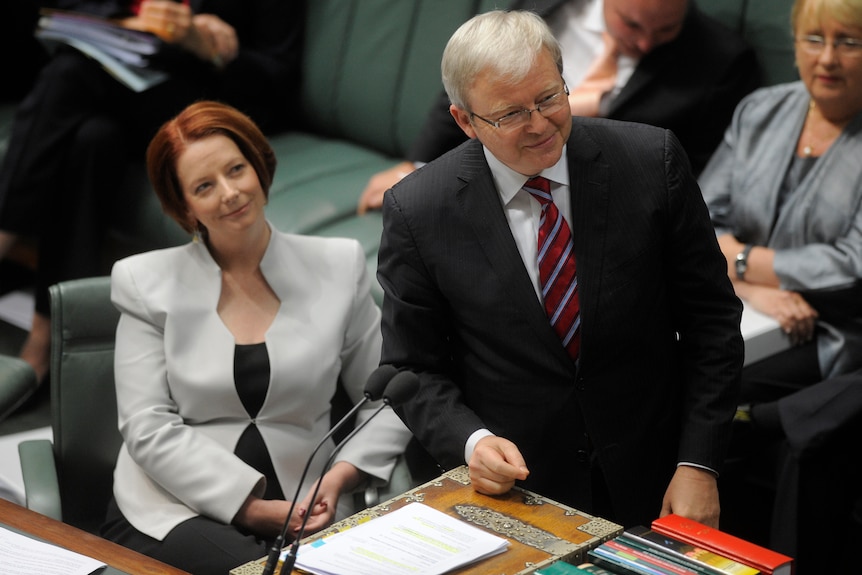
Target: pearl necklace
807	150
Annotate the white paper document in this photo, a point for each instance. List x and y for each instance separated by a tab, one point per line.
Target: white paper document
22	555
415	540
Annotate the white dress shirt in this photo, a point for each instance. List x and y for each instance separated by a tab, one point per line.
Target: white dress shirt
523	213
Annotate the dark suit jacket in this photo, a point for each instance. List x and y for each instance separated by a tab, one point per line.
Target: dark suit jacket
690	86
661	351
812	416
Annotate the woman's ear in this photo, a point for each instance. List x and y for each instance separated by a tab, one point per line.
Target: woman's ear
191	221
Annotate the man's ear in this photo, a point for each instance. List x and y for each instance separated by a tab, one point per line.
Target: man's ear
462	118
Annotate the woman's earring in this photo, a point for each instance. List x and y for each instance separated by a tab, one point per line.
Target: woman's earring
198	232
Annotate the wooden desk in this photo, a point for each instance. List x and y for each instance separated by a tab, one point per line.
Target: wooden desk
540	531
63	535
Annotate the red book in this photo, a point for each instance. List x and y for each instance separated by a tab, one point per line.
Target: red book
767	561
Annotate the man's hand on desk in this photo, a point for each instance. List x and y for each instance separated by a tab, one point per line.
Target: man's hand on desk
692	493
495	465
796	317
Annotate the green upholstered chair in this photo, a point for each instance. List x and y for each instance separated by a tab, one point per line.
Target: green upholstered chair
70	478
767	28
17	384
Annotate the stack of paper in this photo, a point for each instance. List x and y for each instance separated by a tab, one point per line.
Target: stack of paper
122	52
415	539
22	555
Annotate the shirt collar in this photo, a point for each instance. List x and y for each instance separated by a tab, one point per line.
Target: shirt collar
509	182
594	19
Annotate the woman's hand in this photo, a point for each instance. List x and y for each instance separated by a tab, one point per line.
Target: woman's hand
343	477
205	35
171	21
266	516
797	318
218	38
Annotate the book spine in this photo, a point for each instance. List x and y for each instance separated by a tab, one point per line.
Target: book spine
666	554
767	561
637	562
620	565
561	568
594	569
697	558
670	566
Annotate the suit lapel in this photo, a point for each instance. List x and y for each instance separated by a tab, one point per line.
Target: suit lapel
588	179
479	195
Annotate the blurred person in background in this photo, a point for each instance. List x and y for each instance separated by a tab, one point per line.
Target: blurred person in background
77	128
657	62
784	190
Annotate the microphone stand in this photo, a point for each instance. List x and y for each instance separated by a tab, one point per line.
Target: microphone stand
402	387
377	382
290	558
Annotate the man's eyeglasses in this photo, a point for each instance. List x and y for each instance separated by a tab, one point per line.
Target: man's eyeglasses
548	106
814	45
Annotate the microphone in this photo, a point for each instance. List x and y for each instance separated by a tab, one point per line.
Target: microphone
374	389
402	387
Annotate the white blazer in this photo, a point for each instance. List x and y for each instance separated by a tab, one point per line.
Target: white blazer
179	413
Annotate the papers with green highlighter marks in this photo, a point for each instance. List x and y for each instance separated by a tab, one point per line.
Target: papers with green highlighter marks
415	540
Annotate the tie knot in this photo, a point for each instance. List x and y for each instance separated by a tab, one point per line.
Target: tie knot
540	188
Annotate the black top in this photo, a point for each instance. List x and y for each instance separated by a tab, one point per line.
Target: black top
251	376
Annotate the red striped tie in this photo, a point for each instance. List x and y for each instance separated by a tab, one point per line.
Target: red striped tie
556	257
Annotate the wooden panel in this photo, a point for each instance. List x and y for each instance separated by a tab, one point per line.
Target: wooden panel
73	539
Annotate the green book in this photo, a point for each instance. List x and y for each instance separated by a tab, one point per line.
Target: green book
563	568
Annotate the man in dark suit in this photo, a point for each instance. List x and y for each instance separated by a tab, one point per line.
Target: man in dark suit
689	73
633	423
802	444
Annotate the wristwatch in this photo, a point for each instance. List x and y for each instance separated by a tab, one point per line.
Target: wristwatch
742	262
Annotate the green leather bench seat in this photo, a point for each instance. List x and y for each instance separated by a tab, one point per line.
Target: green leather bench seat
765	24
767	27
371	71
309	194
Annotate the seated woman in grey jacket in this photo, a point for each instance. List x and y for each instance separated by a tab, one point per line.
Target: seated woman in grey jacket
784	192
229	350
